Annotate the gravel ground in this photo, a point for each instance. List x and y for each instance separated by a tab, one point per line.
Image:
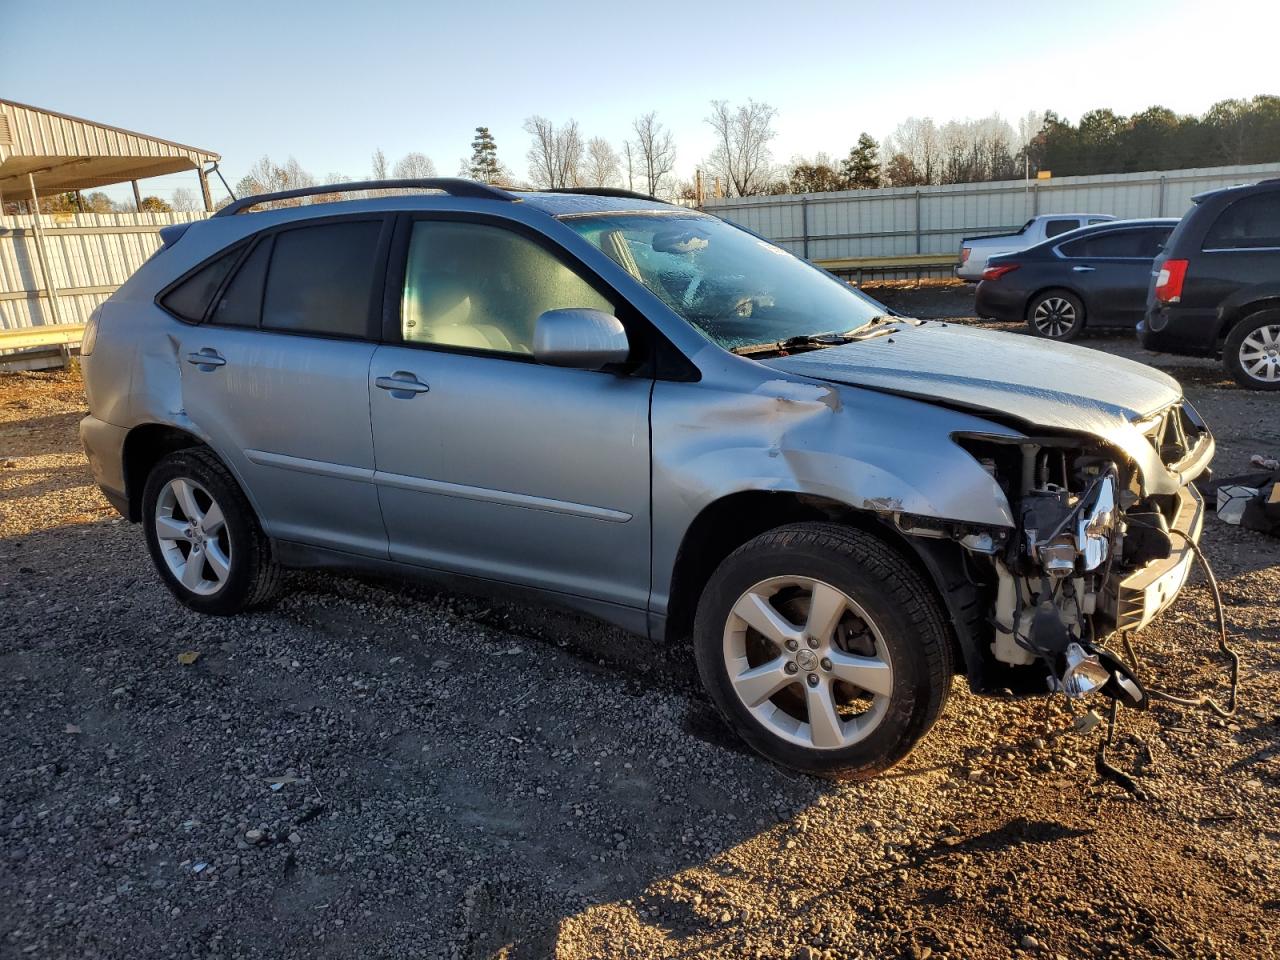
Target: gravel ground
371	769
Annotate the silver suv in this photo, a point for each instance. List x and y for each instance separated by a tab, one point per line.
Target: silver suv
654	416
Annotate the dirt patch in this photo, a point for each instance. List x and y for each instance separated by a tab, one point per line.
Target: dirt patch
384	770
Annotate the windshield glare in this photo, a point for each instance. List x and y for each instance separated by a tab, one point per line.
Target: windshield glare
738	290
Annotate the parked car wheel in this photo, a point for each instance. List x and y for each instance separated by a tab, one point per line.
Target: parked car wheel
1251	353
1056	315
203	535
824	649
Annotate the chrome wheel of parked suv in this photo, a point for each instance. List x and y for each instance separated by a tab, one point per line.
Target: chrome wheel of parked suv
1056	315
1252	351
823	649
203	535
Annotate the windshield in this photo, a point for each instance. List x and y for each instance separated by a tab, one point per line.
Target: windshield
738	290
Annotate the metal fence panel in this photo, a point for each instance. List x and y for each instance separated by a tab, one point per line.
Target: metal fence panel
88	255
897	221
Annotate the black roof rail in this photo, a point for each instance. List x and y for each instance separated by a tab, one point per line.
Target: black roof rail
600	192
454	186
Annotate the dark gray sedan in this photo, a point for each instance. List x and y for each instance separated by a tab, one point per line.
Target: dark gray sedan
1095	276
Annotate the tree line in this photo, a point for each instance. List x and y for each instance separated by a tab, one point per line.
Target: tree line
919	152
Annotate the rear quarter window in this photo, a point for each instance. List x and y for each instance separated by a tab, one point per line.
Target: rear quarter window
189	299
1057	227
1252	221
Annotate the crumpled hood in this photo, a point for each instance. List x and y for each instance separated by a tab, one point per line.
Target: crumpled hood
1042	384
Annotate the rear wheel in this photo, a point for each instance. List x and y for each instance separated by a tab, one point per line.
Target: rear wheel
823	649
1251	353
203	536
1056	315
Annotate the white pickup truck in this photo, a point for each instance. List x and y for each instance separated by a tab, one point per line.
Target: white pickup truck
975	251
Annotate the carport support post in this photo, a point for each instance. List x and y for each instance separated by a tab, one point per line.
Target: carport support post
204	190
51	291
137	197
1163	183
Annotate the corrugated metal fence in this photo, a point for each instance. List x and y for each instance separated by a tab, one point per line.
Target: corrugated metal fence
900	221
88	256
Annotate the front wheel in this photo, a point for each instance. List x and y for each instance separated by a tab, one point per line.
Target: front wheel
1251	353
203	535
823	649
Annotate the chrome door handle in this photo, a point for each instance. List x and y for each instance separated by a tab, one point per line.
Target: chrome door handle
206	359
401	382
1084	269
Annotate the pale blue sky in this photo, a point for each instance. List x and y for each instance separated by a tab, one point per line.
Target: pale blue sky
328	82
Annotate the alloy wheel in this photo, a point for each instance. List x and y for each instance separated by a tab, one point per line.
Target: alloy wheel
1054	316
193	535
808	663
1260	354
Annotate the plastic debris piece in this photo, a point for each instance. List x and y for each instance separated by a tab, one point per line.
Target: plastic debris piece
188	657
1086	722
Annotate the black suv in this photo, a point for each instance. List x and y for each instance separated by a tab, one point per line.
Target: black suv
1216	286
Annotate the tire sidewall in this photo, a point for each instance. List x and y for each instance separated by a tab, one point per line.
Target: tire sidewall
1077	304
1231	348
907	712
231	596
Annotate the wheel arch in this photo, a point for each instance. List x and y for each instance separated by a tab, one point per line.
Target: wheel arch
725	524
1233	311
145	446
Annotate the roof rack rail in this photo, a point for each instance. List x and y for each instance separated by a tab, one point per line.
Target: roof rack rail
454	186
602	192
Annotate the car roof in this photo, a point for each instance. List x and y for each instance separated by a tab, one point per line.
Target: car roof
1272	183
579	204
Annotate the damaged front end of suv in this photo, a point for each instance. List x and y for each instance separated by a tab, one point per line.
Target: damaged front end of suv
1104	540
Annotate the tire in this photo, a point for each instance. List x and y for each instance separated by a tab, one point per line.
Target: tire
1056	315
885	616
1251	353
233	569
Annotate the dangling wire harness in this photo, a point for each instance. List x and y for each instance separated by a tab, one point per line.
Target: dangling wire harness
1111	772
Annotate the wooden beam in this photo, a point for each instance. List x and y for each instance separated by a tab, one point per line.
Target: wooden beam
137	197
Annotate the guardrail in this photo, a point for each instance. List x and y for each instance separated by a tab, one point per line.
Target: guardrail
858	267
34	348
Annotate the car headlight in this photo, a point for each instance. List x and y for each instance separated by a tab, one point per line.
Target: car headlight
1096	523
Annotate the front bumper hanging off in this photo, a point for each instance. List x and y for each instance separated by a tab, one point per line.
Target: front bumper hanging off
1146	592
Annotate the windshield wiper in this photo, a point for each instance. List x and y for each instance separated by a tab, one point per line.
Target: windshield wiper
808	341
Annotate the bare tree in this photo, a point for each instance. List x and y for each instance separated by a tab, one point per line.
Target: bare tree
656	150
267	177
631	166
601	169
555	155
741	154
379	171
414	166
184	201
917	139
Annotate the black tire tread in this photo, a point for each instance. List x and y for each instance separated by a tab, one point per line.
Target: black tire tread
265	575
1231	347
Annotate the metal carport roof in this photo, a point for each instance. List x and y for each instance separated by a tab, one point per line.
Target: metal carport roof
63	154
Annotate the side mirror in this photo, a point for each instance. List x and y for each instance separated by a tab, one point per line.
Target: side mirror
579	337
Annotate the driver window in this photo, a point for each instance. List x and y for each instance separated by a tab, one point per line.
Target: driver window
483	287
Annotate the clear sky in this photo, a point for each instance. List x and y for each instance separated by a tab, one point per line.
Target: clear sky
329	81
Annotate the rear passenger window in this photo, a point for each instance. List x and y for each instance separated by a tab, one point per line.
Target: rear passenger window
321	279
241	302
1055	227
1249	222
1133	244
189	300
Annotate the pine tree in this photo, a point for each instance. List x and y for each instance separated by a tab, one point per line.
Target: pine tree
862	167
484	157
